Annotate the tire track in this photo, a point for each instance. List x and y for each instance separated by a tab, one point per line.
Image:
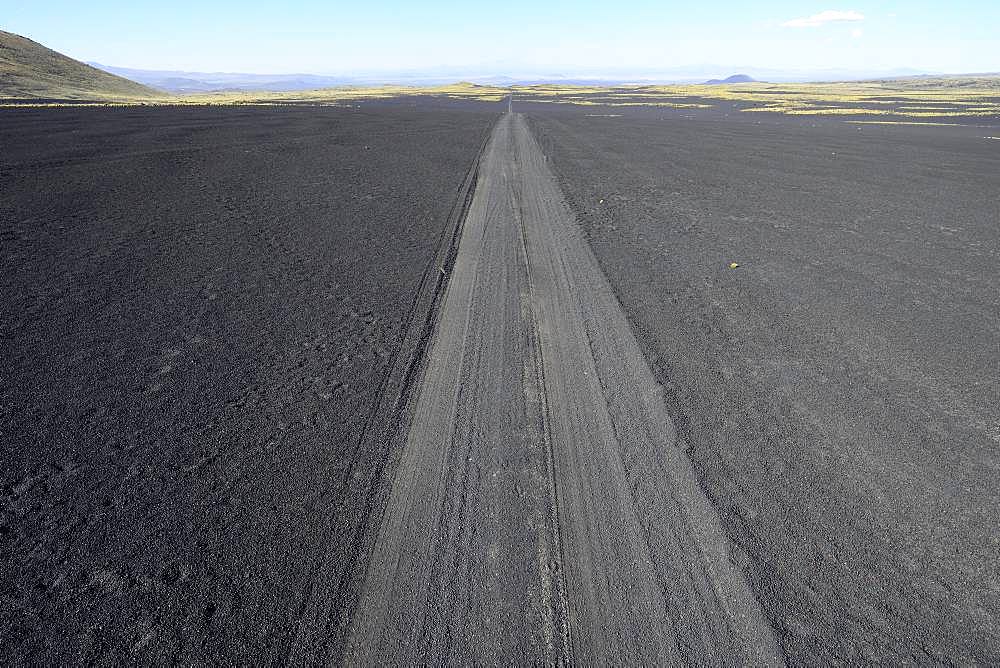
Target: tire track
325	620
543	510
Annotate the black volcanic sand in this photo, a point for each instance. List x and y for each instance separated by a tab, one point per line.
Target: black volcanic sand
199	308
838	391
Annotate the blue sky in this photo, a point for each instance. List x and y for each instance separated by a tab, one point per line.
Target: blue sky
515	36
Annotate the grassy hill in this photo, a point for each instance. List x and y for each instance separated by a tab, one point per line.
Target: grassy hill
30	70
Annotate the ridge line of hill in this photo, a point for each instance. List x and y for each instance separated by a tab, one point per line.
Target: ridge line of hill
33	71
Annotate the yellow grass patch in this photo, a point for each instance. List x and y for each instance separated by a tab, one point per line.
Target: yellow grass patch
976	96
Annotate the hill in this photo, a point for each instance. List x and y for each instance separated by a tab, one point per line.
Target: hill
30	70
734	79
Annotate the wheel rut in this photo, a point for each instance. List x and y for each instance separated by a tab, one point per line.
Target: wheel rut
542	509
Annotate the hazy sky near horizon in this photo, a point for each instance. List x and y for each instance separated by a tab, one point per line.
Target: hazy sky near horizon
516	36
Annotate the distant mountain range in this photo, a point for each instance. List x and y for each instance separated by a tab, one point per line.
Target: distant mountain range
206	82
184	82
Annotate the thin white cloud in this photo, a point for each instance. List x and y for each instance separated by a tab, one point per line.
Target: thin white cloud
821	19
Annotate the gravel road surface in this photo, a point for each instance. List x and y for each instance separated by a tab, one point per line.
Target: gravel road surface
543	508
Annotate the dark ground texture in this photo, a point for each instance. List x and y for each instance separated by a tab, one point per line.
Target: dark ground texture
201	307
839	389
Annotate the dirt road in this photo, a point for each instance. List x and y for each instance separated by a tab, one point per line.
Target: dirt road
543	508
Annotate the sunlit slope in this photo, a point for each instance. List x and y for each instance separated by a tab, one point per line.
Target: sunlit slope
30	70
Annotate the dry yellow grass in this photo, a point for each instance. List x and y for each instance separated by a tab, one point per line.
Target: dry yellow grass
325	96
347	94
915	97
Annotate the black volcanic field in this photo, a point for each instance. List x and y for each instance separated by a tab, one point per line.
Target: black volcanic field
210	315
839	390
200	309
